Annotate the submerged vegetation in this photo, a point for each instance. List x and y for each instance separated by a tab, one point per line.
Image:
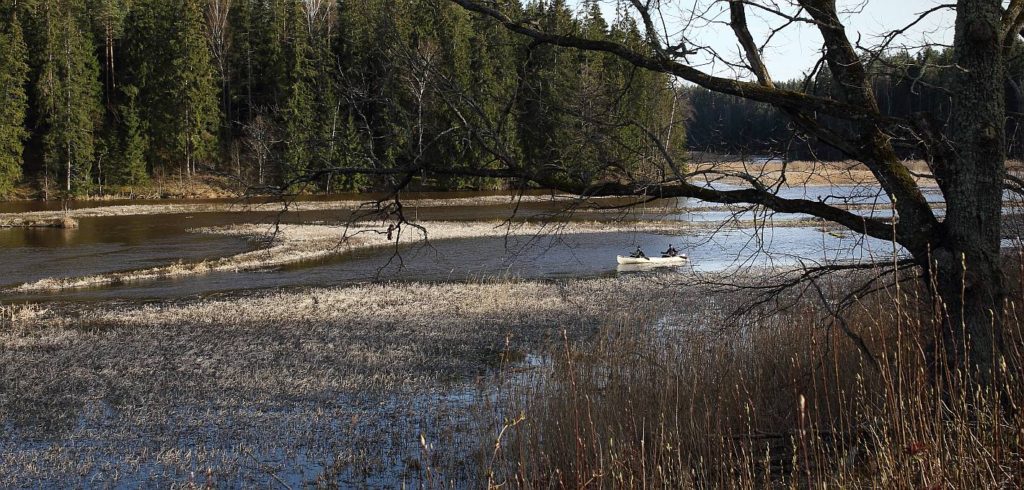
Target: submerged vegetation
602	382
331	385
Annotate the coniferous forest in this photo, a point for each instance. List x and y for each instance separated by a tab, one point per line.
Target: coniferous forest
107	94
112	93
906	85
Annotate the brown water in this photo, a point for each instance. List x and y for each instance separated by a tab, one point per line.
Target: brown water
118	243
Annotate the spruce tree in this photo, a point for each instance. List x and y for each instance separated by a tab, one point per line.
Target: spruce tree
134	143
298	114
13	76
194	89
548	75
241	58
269	37
69	95
148	66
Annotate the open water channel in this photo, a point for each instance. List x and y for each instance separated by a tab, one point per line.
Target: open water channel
105	244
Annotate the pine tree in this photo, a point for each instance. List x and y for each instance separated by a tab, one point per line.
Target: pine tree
69	95
13	76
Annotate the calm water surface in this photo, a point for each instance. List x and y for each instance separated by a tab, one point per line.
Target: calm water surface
117	243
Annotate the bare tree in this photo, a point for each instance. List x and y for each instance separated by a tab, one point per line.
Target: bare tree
959	253
217	22
260	137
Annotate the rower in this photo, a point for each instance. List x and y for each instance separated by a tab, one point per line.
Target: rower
638	254
671	252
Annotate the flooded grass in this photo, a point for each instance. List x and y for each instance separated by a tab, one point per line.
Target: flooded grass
42	222
371	385
619	382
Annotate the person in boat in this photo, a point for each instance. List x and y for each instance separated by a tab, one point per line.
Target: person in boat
671	252
638	254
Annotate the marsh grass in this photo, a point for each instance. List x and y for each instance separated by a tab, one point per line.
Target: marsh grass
614	382
777	398
369	386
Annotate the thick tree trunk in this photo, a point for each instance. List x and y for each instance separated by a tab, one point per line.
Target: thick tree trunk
966	257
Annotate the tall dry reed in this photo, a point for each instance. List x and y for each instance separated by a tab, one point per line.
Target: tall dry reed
780	397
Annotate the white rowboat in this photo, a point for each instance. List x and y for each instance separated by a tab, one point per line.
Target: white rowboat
679	259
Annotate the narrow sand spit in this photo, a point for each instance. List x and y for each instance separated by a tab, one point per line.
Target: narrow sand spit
289	244
49	222
242	206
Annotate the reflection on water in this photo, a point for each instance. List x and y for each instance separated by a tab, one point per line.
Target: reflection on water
544	257
117	243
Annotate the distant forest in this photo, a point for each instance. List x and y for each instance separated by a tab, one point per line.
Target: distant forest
911	86
107	94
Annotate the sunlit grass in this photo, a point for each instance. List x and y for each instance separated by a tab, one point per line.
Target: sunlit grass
332	384
780	397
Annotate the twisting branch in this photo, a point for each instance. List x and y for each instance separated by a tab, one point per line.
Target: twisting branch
775	96
856	104
738	21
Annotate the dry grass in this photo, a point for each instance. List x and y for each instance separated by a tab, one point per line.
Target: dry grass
241	205
332	385
812	173
639	381
198	187
779	398
801	173
50	222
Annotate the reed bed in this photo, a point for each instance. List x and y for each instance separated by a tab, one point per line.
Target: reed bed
778	397
633	381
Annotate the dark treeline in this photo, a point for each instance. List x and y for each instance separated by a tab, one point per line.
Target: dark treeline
107	93
912	86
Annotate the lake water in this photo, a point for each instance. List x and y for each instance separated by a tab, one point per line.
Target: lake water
118	243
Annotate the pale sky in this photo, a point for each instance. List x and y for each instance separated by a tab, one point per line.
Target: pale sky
793	51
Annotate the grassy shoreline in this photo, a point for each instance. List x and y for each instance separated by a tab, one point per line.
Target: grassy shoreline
210	186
